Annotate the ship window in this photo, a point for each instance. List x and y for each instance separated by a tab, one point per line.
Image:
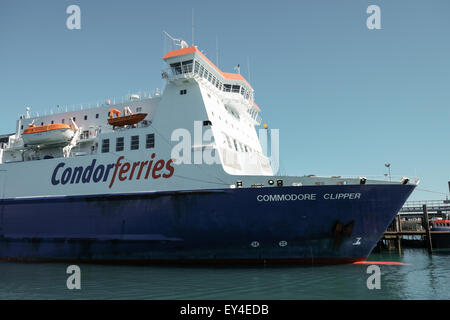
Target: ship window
105	145
74	119
138	109
134	143
21	127
236	89
150	142
85	117
235	144
119	144
227	87
183	91
187	66
176	68
53	122
96	116
196	67
42	123
207	123
62	121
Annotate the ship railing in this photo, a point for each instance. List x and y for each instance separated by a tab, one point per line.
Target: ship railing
432	205
188	71
137	96
175	73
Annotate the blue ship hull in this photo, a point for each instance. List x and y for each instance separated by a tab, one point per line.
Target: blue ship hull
278	224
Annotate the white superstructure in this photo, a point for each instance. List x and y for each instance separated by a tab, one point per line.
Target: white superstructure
198	134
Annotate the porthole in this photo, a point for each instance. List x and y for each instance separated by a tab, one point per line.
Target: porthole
255	244
282	243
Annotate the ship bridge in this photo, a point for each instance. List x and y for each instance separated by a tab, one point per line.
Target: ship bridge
234	90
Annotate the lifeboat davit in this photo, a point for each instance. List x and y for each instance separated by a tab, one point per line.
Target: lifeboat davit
126	120
51	134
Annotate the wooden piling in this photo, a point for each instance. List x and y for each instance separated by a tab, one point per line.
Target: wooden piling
427	228
398	228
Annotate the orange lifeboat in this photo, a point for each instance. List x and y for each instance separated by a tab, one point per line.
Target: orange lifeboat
126	120
49	134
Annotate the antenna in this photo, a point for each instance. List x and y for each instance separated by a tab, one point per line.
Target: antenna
238	68
178	42
192	26
217	51
248	66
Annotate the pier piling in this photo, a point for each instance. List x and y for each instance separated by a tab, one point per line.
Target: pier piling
426	225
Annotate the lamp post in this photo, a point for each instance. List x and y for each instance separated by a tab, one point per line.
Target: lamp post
388	165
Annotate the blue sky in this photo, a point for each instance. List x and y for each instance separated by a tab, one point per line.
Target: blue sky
346	99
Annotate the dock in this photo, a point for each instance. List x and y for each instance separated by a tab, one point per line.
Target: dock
411	226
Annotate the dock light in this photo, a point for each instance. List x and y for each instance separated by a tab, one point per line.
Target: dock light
279	183
271	182
239	184
405	180
266	126
388	165
362	180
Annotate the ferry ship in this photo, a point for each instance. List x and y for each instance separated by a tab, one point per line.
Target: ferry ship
116	183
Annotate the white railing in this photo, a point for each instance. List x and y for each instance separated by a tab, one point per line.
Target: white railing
140	95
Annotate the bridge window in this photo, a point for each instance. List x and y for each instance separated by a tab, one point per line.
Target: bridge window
105	145
134	143
120	144
236	89
176	67
150	142
187	66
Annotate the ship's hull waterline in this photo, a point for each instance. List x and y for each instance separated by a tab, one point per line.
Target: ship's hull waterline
307	224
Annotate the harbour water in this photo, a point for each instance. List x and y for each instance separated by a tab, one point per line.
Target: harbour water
426	277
